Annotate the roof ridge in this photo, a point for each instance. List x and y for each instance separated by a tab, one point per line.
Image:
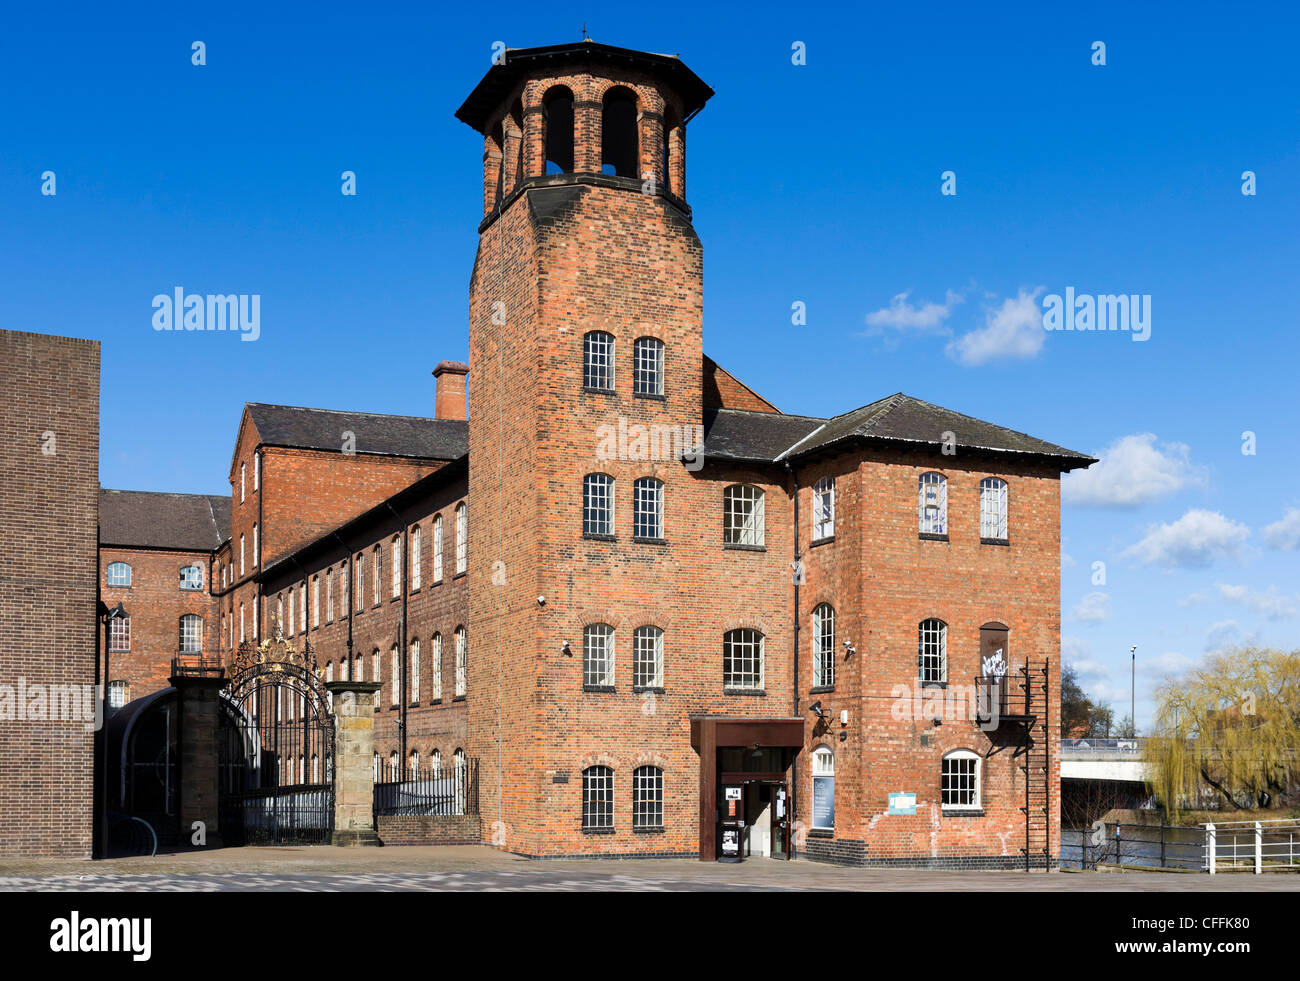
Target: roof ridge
984	422
348	412
763	412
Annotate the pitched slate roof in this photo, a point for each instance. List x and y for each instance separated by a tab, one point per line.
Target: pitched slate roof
732	434
384	435
148	519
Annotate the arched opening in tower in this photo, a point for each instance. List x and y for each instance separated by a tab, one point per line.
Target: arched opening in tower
619	143
557	116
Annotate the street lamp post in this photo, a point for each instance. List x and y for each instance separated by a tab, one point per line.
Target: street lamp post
1132	691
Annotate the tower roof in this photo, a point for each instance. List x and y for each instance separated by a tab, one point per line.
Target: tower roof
496	86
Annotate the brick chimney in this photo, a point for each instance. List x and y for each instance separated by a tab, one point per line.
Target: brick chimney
450	377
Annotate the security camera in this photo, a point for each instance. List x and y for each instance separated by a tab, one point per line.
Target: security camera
541	601
817	707
566	650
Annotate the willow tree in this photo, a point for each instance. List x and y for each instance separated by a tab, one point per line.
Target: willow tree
1230	725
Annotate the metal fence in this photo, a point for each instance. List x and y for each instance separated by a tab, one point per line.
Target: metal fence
1109	749
1252	846
1233	846
443	792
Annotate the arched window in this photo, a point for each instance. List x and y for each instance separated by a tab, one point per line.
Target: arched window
415	557
460	772
241	555
315	768
118	694
462	656
993	509
376	562
437	549
597	798
393	772
375	767
289	626
648	508
932	652
823	788
415	670
435	670
647	657
435	762
361	582
932	504
119	634
359	668
598	656
462	538
191	634
742	516
823	631
647	797
329	670
824	508
648	366
396	552
344	593
329	595
557	122
598	361
670	130
598	504
315	601
192	576
396	685
118	574
742	660
256	553
619	143
960	781
415	764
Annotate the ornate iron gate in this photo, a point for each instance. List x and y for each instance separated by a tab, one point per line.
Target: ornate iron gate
277	748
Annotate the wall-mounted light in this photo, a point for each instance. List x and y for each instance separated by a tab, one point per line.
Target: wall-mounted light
849	650
817	707
936	721
566	650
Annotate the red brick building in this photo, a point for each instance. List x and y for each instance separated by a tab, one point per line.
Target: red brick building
660	616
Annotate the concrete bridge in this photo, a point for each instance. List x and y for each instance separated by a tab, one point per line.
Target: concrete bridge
1103	759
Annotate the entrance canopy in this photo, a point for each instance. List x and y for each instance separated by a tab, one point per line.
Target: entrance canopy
768	740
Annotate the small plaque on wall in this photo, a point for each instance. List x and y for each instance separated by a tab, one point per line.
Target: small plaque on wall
561	777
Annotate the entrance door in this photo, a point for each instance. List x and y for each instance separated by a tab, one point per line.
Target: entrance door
780	822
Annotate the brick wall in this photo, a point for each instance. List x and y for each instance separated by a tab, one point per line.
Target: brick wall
407	829
49	512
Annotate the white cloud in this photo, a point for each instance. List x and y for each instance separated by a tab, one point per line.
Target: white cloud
902	315
1171	662
1283	535
1093	608
1226	633
1067	561
1013	330
1195	540
1132	471
1269	603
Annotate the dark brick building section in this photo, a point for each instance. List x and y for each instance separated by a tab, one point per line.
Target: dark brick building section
49	506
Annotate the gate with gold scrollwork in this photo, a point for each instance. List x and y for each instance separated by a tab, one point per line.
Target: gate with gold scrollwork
277	748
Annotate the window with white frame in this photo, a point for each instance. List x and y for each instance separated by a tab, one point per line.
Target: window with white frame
302	608
241	623
435	761
118	574
117	694
377	562
191	641
823	796
460	774
435	669
344	594
824	508
119	634
397	676
597	798
462	655
257	470
647	797
315	768
192	576
960	782
256	551
437	549
241	555
932	504
647	508
329	595
462	538
396	552
361	580
742	516
415	670
257	605
415	764
598	361
932	651
647	657
359	667
598	504
823	637
289	624
279	611
241	483
415	557
648	366
742	659
993	508
376	673
315	601
598	655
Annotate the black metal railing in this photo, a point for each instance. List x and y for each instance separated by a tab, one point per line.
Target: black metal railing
1157	846
1002	698
449	790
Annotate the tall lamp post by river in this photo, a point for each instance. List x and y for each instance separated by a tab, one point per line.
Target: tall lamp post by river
1132	690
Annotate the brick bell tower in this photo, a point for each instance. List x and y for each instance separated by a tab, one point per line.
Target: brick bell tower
585	230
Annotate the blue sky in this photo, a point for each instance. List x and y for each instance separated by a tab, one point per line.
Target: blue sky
817	183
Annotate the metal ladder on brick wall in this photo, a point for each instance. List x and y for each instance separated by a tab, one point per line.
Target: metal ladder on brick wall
1036	764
